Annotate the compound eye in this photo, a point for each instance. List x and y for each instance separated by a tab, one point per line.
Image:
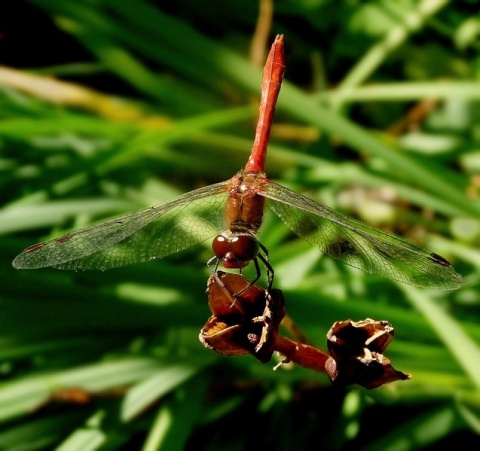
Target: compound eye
220	246
244	247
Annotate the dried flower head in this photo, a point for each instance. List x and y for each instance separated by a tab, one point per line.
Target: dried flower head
245	318
356	353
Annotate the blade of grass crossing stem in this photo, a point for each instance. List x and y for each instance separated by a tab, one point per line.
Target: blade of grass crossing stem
24	395
177	417
149	390
394	38
178	132
402	92
39	432
206	55
83	22
469	414
450	332
90	439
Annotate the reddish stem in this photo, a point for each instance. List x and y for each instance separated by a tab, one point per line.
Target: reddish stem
271	84
301	354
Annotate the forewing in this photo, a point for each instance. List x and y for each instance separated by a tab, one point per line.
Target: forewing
152	233
359	245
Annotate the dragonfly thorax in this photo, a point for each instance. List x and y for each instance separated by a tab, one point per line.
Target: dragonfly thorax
245	204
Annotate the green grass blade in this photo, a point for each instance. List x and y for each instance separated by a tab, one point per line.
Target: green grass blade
462	347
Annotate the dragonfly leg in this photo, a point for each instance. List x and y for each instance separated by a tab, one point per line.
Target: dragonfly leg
214	260
270	271
257	270
265	261
270	274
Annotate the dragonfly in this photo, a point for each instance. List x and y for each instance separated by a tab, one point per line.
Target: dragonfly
231	213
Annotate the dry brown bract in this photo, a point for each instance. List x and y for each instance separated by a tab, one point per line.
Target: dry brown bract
356	353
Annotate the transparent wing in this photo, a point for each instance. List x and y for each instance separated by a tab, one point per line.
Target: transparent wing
152	233
359	245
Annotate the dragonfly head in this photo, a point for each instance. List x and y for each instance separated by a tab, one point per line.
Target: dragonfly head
236	250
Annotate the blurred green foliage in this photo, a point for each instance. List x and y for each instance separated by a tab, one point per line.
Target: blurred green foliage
378	118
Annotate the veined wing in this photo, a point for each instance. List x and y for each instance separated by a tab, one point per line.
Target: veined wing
359	245
152	233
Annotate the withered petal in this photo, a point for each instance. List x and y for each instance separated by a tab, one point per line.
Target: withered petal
220	337
271	318
356	350
349	338
368	372
232	294
244	322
